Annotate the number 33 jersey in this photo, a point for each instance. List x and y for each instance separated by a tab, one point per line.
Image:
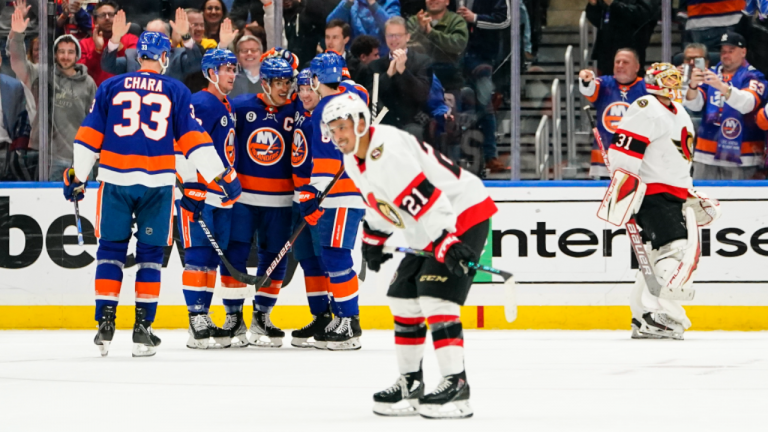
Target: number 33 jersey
655	142
408	185
136	122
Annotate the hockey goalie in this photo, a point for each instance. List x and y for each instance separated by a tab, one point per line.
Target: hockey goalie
651	187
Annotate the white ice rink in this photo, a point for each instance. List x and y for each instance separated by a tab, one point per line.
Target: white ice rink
520	381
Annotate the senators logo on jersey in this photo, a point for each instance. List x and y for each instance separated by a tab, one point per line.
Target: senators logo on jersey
266	146
298	148
685	145
386	210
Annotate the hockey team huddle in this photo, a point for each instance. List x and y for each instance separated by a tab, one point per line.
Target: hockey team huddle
306	152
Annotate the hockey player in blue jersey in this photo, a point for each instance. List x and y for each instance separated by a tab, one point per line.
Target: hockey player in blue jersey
264	138
335	225
136	123
213	111
307	249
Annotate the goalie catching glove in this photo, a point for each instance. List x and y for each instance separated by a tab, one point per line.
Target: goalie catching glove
449	250
706	209
373	247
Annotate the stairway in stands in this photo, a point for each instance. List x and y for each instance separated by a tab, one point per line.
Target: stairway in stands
562	30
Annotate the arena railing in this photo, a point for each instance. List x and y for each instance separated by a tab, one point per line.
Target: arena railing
541	147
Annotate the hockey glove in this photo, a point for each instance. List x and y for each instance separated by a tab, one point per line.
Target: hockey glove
450	251
230	185
193	201
73	189
373	247
310	204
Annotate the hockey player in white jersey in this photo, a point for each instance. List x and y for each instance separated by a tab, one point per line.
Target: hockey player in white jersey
650	162
441	208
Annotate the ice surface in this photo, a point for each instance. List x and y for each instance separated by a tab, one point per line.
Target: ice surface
520	380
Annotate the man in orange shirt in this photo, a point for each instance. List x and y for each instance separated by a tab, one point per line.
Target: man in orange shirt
92	47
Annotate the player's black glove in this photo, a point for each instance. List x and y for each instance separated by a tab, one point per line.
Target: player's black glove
454	254
373	247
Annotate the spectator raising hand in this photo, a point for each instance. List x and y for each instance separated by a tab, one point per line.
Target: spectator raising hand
21	5
119	28
181	25
227	34
19	22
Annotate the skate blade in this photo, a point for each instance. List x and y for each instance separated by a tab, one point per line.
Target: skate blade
261	341
302	343
239	341
104	348
451	410
321	345
349	345
193	343
404	408
658	335
221	342
141	350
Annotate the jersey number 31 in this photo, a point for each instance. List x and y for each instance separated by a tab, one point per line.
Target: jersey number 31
132	113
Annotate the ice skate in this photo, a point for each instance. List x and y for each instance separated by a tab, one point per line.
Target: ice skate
346	335
145	342
305	336
660	326
636	326
106	330
402	399
220	336
235	325
449	400
198	332
263	333
320	341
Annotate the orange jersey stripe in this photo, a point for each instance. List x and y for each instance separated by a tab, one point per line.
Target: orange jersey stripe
230	282
338	227
762	120
299	181
592	99
192	139
718	8
193	278
316	284
98	209
597	157
90	137
325	166
108	287
211	279
344	186
747	147
129	162
270	290
344	289
147	290
262	184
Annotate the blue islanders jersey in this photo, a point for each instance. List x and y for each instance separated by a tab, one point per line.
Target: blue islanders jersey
264	139
301	152
137	122
611	101
217	118
327	159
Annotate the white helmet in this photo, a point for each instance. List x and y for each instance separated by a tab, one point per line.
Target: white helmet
346	105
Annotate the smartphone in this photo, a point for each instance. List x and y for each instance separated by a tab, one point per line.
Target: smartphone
699	63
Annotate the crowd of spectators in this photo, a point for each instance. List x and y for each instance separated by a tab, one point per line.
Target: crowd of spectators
437	62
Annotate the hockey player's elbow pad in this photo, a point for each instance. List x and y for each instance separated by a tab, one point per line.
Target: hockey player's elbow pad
231	187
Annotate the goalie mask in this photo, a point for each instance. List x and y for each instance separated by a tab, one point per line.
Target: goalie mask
664	79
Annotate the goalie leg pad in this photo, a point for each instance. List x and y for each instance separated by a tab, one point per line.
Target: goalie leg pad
675	263
622	199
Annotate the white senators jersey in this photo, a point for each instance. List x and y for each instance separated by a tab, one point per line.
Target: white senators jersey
408	185
655	142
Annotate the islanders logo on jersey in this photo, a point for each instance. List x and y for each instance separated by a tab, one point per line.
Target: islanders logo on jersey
613	114
298	148
229	146
731	128
266	146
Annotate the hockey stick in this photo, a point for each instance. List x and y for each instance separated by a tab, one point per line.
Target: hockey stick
80	240
296	233
510	295
235	273
638	248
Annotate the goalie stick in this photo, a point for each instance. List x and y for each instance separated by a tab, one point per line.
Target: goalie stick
638	248
510	295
